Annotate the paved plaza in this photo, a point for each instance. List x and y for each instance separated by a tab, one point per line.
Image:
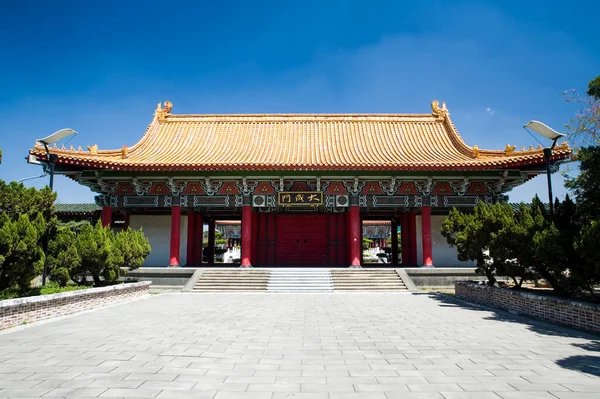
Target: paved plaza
309	346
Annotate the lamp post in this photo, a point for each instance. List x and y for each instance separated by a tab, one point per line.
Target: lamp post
48	166
553	135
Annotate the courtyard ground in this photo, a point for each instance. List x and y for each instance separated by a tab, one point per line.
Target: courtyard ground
298	346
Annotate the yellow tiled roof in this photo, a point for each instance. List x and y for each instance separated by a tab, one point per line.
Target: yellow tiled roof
301	142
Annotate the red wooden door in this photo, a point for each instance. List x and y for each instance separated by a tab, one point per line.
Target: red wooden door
302	239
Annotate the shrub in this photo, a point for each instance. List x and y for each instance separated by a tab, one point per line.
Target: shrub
133	247
60	275
21	257
62	254
99	256
471	234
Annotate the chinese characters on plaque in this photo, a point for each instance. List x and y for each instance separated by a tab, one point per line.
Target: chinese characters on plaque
298	198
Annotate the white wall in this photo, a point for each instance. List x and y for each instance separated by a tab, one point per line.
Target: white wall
443	254
157	228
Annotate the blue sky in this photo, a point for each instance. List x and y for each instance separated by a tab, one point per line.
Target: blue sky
101	67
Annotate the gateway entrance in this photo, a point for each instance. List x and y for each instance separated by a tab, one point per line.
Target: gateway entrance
300	239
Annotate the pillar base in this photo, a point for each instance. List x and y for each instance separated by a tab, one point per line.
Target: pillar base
245	266
355	267
428	266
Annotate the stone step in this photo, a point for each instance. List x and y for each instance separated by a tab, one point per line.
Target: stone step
236	274
228	283
235	278
363	277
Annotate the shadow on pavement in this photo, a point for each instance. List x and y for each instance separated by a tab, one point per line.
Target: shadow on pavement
583	363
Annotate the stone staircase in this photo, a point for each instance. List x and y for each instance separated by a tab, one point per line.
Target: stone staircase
300	280
367	280
213	280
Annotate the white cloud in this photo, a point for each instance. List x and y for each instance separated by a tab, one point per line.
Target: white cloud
490	111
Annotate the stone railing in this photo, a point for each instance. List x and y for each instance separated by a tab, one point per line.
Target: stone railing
581	315
18	311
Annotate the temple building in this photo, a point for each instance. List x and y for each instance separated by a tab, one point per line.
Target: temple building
296	190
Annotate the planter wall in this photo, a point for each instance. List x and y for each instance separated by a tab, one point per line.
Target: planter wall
14	312
581	315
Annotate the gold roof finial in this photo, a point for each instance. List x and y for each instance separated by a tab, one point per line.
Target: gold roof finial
162	113
93	149
510	149
476	151
124	152
437	111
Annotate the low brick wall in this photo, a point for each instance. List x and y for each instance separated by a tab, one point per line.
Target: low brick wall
14	312
581	315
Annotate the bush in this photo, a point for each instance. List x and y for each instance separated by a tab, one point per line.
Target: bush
21	257
62	253
99	256
60	275
133	247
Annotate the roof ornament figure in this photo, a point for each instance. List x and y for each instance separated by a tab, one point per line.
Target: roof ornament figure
162	113
437	111
93	149
476	151
124	152
510	149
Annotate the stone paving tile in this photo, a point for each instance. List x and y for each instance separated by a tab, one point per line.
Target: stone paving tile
315	346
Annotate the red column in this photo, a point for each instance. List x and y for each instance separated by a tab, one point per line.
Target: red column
191	238
198	238
412	243
175	221
354	244
256	220
106	216
426	234
246	235
394	237
405	238
211	243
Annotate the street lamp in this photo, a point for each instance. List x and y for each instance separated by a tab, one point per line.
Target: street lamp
49	167
553	135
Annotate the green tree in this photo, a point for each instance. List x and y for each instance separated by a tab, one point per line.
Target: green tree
587	273
16	199
63	259
471	234
99	255
584	127
555	254
133	246
585	186
21	257
594	88
512	248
